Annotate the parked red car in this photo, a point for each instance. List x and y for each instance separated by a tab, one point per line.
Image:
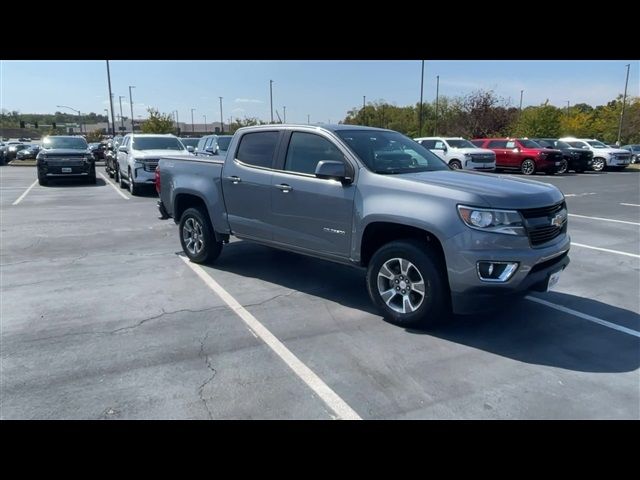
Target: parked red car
522	154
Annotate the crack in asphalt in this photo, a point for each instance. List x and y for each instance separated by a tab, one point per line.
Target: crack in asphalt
209	379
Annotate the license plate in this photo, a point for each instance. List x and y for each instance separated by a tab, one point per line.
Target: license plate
557	164
66	170
553	280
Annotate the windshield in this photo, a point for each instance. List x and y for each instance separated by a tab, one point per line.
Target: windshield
190	142
389	152
528	143
596	144
460	143
156	143
73	143
223	143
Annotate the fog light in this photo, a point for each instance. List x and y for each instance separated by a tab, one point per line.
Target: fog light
496	271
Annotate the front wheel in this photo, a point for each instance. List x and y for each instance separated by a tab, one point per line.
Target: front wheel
133	188
405	282
564	167
42	180
197	237
455	164
528	167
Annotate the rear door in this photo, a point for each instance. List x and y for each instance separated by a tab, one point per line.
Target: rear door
246	183
309	212
499	146
513	157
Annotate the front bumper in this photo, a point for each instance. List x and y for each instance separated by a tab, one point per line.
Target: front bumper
548	165
469	294
618	162
479	166
74	171
140	175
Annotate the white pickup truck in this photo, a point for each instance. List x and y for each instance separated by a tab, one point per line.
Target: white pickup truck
460	153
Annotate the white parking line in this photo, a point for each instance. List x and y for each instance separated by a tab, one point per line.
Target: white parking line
118	191
604	219
579	194
584	316
630	204
618	252
25	193
342	410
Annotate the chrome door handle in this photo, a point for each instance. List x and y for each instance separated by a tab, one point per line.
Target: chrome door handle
234	179
284	188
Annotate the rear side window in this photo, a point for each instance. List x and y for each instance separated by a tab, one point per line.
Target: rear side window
306	150
497	144
430	144
258	148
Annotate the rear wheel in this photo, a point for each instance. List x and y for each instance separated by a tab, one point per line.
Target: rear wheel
197	237
528	167
405	283
455	164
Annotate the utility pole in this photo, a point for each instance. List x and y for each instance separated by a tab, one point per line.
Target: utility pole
308	119
521	92
364	112
221	121
177	123
120	97
624	102
193	126
435	127
107	112
131	105
113	119
567	108
284	114
421	90
205	124
271	97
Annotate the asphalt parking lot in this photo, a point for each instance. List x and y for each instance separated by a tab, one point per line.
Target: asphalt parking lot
101	318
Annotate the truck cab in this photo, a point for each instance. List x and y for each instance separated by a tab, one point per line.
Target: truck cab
459	153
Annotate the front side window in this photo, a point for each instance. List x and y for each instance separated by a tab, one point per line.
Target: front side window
596	144
157	143
439	145
306	150
428	144
510	144
258	148
387	152
73	143
579	145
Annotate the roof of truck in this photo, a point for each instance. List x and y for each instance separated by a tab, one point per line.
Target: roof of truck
322	126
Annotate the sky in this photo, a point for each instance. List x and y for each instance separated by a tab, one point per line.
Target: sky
324	90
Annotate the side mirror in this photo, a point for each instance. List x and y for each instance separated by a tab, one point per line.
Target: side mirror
123	150
211	150
333	170
190	149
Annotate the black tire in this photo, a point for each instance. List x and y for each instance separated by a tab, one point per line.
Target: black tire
134	189
435	305
42	180
123	184
92	176
564	167
110	172
210	248
528	167
455	164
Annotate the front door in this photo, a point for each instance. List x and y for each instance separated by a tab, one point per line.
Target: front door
309	212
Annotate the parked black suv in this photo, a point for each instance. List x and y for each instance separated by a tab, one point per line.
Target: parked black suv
576	159
65	156
110	155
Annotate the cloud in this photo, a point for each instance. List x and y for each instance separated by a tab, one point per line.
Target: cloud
248	100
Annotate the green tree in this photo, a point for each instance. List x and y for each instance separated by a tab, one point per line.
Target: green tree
541	121
158	122
94	136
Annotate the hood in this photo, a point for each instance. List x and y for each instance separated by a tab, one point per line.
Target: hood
497	190
483	151
611	150
143	154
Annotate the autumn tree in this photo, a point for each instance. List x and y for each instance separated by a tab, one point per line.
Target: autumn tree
158	122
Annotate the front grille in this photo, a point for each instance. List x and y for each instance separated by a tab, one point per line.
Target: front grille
538	223
623	157
65	163
554	157
483	157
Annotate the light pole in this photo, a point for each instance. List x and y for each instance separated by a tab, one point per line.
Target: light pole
177	123
271	97
107	112
120	97
435	126
205	124
308	119
113	119
364	99
521	92
284	113
624	102
221	120
193	127
421	90
77	111
567	108
131	104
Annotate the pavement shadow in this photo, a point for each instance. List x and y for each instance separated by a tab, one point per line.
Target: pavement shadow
73	182
523	331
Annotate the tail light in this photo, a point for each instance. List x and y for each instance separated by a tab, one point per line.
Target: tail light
157	179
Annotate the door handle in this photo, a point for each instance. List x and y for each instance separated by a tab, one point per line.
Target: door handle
234	179
284	188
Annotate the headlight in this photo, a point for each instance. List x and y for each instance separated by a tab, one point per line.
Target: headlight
468	156
139	161
542	154
508	222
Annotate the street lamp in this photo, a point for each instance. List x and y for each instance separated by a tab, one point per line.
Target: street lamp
205	124
107	112
193	127
131	105
284	110
435	126
120	97
271	97
177	123
77	111
221	121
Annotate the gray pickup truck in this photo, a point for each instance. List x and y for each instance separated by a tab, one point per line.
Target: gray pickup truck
432	240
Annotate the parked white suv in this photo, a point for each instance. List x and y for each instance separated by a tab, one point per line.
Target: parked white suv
460	153
603	155
138	156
